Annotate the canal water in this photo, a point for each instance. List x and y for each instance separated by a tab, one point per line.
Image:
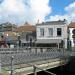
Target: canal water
63	70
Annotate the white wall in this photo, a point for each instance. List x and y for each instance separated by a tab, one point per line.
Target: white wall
70	36
46	36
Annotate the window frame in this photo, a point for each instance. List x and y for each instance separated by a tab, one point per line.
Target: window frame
50	32
60	34
42	33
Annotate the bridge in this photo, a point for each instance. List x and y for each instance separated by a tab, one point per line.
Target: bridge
24	61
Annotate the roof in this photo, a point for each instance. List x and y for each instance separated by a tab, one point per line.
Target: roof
52	23
26	27
72	25
49	41
8	24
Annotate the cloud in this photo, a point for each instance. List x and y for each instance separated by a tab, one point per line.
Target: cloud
70	8
69	15
21	11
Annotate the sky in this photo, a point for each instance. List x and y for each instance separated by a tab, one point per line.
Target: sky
31	11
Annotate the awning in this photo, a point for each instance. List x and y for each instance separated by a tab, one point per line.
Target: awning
23	41
49	41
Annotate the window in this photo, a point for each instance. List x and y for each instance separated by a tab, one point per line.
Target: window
41	31
50	31
58	31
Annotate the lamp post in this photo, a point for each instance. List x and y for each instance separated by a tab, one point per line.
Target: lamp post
30	44
19	41
11	65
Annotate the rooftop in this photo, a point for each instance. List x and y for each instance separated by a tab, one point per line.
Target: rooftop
8	24
59	22
26	27
72	25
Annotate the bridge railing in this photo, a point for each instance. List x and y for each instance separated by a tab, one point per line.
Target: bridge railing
30	49
26	55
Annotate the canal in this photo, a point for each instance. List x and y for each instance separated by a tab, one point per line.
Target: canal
63	70
67	69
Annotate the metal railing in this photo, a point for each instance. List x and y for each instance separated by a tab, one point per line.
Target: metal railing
30	54
41	49
25	55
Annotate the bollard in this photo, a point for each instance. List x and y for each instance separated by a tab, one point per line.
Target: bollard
34	67
11	65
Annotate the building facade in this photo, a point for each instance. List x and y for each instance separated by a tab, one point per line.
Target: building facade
8	31
52	33
27	33
71	28
7	27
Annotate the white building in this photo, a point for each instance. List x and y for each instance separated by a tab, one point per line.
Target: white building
71	29
52	33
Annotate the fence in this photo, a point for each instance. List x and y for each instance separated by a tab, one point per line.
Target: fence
29	54
25	55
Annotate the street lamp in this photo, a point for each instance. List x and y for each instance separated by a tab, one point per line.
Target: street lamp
11	65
